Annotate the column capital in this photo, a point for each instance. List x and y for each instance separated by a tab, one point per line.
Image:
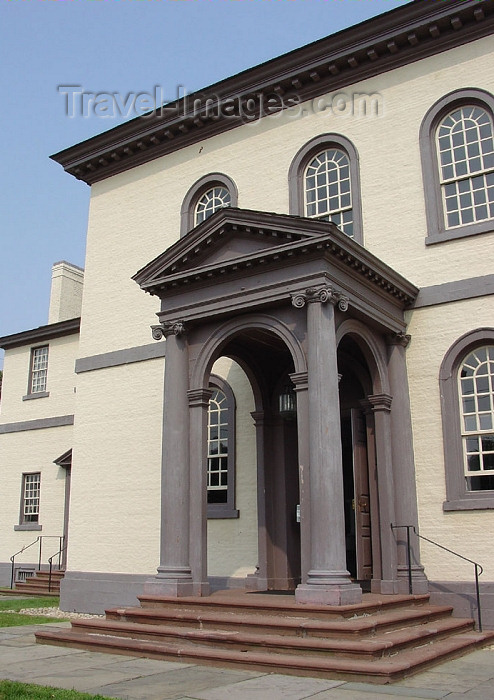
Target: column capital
300	380
400	338
199	397
321	294
163	330
380	402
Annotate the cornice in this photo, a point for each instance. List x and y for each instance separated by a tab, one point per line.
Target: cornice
409	33
175	269
41	334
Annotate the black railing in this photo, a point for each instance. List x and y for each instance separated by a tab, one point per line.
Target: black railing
50	561
39	542
478	567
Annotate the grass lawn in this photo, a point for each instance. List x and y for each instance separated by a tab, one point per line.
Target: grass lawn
31	602
22	691
14	619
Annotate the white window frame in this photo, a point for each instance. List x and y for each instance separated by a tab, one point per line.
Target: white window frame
226	472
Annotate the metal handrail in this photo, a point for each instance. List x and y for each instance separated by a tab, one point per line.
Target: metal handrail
38	539
478	567
50	560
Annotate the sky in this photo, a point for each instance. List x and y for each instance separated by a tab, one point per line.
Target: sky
117	47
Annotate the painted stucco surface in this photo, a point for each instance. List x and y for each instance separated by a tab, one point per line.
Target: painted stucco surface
60	383
433	331
34	454
134	216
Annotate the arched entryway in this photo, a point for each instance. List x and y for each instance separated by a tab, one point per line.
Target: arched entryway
294	302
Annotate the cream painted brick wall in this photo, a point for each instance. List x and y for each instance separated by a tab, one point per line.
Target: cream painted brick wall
61	382
232	544
433	331
25	452
134	216
116	473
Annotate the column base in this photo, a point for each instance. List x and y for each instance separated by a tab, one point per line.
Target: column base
169	588
333	594
420	584
385	586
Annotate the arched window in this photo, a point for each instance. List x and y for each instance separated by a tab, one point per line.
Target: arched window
327	189
207	195
221	451
476	391
212	200
457	144
324	183
467	395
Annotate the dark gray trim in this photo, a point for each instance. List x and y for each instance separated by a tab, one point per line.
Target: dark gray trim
436	229
37	395
455	291
120	357
227	510
37	424
28	526
457	497
461	596
406	34
300	162
41	334
205	183
90	592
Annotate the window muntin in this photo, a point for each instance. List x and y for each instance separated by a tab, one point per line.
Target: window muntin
465	148
217	476
476	392
212	200
39	370
30	497
327	189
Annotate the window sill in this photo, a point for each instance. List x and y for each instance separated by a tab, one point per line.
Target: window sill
474	503
225	513
28	526
38	395
462	232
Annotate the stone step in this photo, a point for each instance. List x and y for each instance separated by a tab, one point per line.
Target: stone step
381	670
274	605
376	646
301	625
30	591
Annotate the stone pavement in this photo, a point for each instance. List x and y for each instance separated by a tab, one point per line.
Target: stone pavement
469	678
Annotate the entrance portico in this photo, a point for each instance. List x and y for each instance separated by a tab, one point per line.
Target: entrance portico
288	297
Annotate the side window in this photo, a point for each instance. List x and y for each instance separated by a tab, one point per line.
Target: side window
324	183
38	373
467	396
457	148
207	195
221	451
30	497
476	390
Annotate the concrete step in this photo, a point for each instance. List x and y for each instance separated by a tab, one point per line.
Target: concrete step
381	670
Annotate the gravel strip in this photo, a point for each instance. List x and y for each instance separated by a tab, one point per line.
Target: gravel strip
52	612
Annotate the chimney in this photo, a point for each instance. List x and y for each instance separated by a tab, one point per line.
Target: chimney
66	292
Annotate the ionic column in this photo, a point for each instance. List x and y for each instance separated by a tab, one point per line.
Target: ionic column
174	576
328	581
404	466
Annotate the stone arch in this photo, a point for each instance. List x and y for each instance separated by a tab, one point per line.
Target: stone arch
373	349
221	335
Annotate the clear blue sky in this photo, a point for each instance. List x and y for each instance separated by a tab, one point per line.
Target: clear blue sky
112	46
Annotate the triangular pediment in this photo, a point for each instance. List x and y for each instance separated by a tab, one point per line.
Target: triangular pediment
230	234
